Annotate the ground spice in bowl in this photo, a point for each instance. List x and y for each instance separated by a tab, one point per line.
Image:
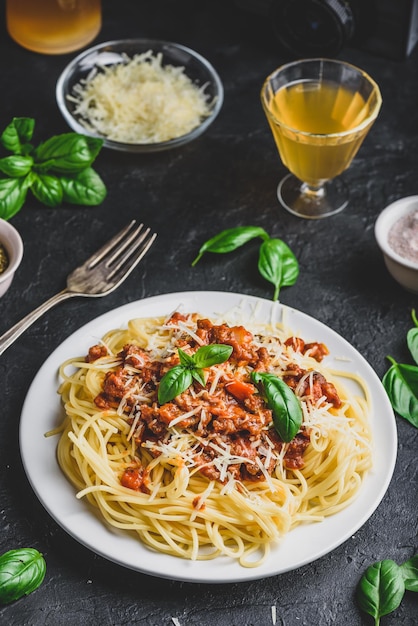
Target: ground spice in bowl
4	259
403	236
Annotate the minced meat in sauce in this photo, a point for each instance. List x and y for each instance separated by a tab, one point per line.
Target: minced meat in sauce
234	418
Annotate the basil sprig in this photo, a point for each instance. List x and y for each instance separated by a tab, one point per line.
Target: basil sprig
231	239
383	584
180	377
401	380
21	572
409	571
284	404
276	261
278	264
58	170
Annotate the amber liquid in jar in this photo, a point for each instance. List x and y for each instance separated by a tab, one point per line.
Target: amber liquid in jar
53	26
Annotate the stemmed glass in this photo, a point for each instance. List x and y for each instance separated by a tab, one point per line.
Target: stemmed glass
319	111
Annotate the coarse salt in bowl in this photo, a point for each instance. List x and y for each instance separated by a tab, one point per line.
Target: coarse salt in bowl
12	243
140	95
396	232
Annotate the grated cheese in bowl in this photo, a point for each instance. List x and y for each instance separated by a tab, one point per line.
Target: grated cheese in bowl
148	99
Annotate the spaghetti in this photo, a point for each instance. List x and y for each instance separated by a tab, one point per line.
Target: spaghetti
206	474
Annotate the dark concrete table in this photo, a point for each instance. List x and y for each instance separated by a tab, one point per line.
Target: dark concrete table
226	178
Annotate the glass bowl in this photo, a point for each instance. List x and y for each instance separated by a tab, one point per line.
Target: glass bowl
196	67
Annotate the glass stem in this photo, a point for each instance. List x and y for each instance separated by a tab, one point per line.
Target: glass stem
312	191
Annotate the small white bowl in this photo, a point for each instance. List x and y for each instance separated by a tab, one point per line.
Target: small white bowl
12	242
404	270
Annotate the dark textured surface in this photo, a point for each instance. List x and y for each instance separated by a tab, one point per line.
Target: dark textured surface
226	178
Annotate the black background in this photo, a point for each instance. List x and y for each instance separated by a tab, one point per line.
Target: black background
226	178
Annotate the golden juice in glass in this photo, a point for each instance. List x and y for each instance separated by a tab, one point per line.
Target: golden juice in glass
53	26
312	123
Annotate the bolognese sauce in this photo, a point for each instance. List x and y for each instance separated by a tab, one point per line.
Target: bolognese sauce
227	415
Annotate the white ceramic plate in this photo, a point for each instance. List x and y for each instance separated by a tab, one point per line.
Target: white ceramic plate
42	412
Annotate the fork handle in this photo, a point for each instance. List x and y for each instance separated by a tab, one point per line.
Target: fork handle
15	331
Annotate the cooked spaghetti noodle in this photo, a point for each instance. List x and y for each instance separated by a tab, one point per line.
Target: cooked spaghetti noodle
206	474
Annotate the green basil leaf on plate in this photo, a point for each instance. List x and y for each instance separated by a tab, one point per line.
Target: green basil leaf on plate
214	354
173	383
284	404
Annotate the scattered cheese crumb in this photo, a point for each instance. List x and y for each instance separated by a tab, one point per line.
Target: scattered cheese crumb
140	101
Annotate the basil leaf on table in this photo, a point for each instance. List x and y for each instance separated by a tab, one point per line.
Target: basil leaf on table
284	404
85	187
13	192
47	189
70	152
401	385
409	571
21	572
381	589
278	264
16	165
17	134
230	239
412	339
58	170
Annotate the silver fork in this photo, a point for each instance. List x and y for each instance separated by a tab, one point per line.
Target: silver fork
103	272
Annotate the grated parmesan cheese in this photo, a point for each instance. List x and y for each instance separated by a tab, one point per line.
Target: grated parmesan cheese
140	101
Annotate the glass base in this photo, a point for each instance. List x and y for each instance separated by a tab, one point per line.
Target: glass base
301	200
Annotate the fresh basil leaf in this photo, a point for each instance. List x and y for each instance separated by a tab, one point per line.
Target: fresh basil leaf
21	572
12	196
206	356
199	375
278	264
173	383
381	589
85	187
186	360
401	385
47	189
230	239
16	165
17	134
71	152
409	571
412	339
284	404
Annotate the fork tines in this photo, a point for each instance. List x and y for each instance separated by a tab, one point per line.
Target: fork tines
124	251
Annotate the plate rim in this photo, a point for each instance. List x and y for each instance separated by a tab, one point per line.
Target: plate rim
81	518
